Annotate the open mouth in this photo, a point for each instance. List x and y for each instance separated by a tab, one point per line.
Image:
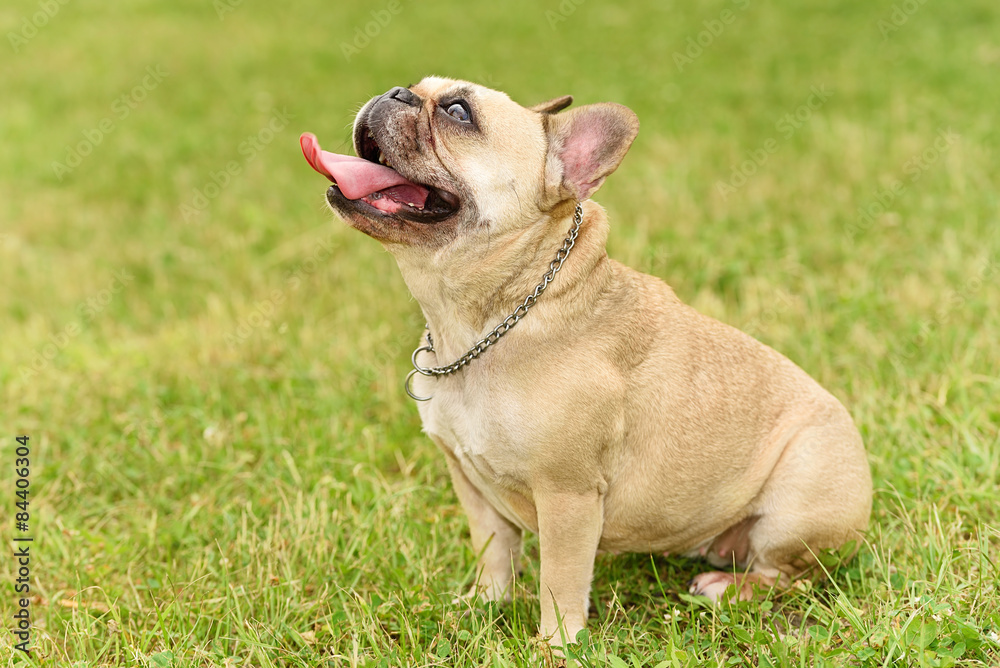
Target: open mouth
370	180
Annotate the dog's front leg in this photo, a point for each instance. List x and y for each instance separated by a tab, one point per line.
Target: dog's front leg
569	530
495	540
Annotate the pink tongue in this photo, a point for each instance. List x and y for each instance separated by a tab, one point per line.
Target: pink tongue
358	178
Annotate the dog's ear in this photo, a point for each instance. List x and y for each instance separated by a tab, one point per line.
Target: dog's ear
554	105
585	146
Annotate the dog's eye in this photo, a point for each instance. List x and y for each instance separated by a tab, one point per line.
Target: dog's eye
458	111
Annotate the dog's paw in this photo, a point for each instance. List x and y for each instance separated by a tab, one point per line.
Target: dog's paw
714	585
479	594
559	639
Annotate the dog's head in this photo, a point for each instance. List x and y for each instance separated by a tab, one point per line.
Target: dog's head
444	157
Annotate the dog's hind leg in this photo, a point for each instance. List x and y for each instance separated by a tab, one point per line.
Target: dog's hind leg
817	498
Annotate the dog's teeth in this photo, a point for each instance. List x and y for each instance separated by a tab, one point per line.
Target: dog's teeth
376	195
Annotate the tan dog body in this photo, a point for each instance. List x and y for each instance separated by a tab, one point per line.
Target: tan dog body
612	417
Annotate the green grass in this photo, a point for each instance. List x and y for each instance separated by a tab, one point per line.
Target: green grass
225	469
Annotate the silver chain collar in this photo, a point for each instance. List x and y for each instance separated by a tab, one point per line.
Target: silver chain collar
503	327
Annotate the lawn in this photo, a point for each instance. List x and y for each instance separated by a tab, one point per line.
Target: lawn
224	468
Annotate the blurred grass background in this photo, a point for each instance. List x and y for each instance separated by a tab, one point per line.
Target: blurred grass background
225	468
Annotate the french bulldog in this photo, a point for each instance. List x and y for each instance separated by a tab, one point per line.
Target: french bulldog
572	396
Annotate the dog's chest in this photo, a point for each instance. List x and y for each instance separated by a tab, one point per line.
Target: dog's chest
491	459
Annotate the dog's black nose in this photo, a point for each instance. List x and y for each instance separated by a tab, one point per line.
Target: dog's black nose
405	96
